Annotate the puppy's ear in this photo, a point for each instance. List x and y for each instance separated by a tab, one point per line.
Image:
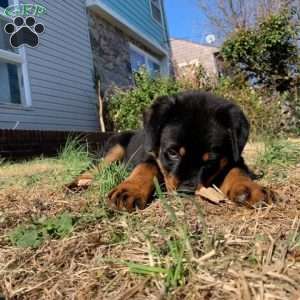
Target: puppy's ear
238	127
154	120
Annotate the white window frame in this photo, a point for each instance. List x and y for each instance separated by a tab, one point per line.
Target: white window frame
147	57
18	58
161	12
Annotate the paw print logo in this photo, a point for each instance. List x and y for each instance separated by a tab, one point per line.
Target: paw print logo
24	32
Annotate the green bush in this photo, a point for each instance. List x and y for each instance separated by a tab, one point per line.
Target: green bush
126	106
262	107
266	54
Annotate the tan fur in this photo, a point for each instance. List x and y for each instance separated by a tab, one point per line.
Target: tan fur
182	151
135	190
238	187
114	154
171	181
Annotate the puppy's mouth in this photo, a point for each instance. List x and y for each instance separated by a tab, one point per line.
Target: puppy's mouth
187	188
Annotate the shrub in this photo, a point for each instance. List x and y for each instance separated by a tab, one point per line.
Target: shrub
263	107
126	106
266	54
195	77
260	106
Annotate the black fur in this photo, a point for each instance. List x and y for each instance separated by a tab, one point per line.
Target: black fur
199	122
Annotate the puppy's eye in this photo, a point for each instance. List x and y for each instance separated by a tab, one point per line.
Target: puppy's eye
172	154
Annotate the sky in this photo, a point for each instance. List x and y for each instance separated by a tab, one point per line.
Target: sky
186	20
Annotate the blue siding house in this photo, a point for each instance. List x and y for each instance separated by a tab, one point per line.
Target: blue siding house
51	87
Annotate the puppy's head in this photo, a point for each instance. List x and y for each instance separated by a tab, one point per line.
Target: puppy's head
185	133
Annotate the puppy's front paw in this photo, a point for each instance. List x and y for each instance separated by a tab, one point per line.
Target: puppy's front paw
127	196
251	195
80	183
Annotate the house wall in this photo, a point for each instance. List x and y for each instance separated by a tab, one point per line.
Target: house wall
138	14
187	53
61	74
110	53
111	56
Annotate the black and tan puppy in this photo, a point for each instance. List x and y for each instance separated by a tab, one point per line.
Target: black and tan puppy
189	140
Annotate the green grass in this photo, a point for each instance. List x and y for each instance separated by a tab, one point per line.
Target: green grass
71	161
280	153
110	176
75	158
33	235
277	157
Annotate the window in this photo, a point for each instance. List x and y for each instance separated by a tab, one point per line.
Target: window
3	3
140	58
154	67
156	10
11	66
4	38
9	84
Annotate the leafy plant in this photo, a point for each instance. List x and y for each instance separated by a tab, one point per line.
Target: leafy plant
277	157
261	107
266	54
35	234
195	77
280	153
126	106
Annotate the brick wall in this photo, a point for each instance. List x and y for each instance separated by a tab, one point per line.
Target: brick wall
16	144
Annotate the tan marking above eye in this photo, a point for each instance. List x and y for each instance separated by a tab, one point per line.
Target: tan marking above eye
182	151
205	156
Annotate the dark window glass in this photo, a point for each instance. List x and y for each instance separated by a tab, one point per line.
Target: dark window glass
4	37
137	60
4	3
9	84
154	68
156	10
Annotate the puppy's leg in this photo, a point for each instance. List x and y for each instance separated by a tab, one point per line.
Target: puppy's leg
83	181
136	190
240	188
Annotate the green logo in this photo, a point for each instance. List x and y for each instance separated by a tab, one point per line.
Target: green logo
25	10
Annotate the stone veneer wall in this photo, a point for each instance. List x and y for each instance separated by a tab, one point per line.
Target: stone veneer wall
110	47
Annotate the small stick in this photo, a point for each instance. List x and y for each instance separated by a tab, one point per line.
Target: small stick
100	101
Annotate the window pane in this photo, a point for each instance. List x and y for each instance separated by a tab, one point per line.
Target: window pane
156	13
4	38
3	3
154	68
9	84
137	60
156	2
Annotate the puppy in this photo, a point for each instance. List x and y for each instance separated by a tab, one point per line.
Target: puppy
189	141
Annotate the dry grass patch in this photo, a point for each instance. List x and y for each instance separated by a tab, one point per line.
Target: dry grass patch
178	248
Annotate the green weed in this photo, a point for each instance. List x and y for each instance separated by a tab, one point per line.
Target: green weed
278	156
35	234
110	176
142	269
280	153
75	158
